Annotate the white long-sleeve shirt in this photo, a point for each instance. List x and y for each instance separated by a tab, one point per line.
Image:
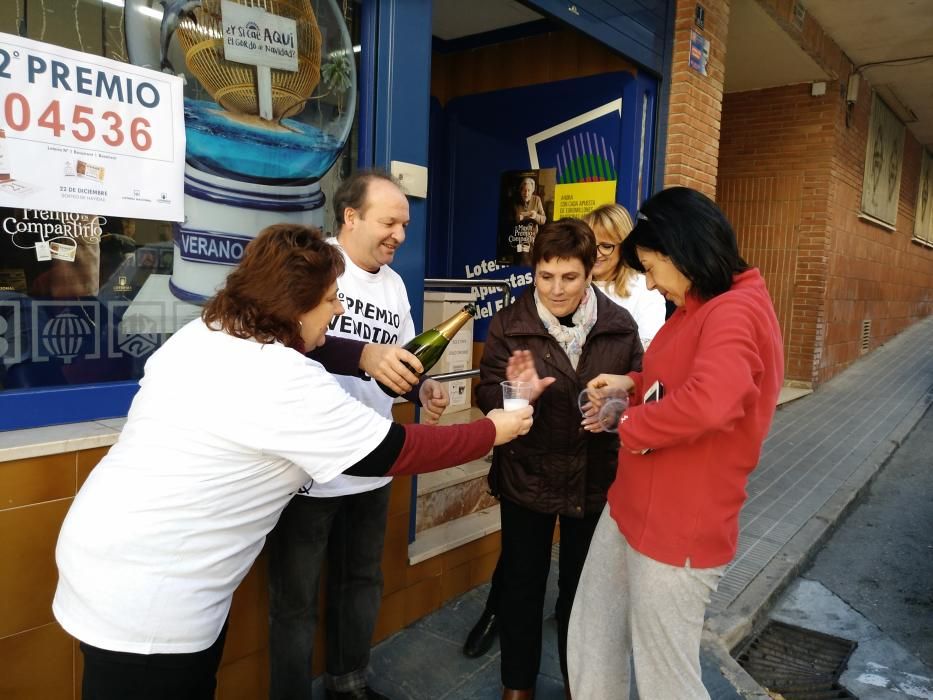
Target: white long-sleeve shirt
646	305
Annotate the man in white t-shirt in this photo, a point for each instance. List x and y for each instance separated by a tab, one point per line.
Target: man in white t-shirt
343	521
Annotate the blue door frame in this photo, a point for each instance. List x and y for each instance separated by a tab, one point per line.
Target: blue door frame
394	112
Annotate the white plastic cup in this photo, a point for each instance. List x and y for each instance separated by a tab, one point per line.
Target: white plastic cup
607	410
515	395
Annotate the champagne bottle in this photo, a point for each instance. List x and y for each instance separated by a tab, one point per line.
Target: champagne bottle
430	345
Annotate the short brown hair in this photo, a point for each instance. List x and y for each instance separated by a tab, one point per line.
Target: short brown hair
285	271
565	238
352	192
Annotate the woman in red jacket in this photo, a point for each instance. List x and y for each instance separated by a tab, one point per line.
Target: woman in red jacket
671	521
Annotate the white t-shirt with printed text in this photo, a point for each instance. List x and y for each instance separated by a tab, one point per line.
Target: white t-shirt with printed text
377	310
218	438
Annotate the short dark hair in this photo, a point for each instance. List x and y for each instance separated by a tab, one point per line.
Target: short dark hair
285	271
352	192
565	238
692	231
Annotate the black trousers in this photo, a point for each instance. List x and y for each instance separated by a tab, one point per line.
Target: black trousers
522	581
117	675
349	532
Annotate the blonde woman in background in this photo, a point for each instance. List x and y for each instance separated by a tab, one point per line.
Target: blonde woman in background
612	223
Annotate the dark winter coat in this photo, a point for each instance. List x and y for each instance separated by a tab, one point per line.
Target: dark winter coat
557	467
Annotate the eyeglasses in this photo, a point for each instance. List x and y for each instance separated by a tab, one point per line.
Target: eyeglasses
606	248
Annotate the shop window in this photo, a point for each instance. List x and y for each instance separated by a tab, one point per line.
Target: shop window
85	299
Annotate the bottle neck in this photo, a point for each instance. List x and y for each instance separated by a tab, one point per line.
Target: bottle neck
449	328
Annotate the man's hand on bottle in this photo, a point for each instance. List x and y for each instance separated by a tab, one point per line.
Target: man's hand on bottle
510	424
434	400
391	365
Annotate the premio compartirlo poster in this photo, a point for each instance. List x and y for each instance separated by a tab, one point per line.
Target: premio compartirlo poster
526	202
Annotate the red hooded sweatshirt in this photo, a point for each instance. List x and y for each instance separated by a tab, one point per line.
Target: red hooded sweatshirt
721	363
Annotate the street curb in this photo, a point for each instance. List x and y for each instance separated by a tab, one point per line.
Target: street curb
734	674
724	631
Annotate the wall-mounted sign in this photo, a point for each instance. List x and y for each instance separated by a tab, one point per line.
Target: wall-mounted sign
259	38
699	52
923	220
580	198
882	182
89	135
526	202
262	39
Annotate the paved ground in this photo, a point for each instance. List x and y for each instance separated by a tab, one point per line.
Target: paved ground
822	452
872	583
880	559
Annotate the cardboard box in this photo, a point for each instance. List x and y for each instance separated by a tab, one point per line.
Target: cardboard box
438	307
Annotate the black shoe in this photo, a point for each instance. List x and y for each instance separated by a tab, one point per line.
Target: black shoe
483	634
366	693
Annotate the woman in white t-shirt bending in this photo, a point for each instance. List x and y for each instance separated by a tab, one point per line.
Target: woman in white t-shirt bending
611	223
230	419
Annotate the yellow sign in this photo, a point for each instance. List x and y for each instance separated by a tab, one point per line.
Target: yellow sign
580	198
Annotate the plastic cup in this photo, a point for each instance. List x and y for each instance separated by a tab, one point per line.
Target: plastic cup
606	410
515	395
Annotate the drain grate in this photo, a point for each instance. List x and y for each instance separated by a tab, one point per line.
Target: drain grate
797	663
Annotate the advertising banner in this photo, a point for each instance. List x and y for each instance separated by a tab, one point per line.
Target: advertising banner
580	198
526	202
88	135
571	154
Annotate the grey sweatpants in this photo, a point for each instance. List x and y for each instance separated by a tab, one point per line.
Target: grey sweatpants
631	606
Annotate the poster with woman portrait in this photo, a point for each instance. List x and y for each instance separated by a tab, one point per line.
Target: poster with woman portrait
923	220
883	156
526	202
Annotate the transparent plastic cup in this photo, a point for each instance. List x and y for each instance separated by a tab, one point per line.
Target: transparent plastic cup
604	409
515	395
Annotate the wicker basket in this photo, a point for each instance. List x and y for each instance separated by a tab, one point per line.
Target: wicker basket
233	85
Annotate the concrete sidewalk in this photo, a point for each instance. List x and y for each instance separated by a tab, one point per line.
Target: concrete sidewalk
822	451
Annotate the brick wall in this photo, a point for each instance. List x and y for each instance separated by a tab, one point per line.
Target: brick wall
875	274
790	180
811	37
692	151
776	154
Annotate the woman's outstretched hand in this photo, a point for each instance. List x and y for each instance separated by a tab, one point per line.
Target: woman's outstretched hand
604	386
521	368
510	424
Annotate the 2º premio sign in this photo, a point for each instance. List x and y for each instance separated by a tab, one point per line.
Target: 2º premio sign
89	135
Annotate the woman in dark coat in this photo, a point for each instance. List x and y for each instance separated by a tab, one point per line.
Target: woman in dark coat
558	471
